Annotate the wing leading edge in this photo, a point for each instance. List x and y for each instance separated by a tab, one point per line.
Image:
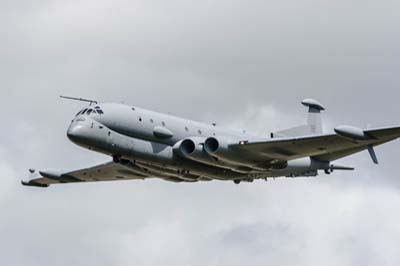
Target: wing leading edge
328	147
321	147
105	172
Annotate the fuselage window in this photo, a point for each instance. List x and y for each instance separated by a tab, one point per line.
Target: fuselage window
133	109
163	123
200	132
152	121
140	119
186	129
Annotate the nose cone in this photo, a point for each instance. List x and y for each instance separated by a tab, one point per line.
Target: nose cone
76	133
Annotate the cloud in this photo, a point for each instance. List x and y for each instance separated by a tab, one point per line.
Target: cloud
242	64
308	221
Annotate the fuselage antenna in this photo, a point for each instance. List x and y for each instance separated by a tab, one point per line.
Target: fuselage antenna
79	99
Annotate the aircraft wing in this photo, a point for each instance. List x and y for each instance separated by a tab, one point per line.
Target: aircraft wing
105	172
321	147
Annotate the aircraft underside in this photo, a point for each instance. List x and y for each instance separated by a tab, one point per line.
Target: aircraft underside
145	144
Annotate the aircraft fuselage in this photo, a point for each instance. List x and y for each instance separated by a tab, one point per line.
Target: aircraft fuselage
146	144
148	140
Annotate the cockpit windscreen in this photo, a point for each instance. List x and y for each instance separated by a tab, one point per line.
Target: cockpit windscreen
89	111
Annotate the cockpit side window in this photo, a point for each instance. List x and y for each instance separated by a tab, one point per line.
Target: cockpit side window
99	110
89	111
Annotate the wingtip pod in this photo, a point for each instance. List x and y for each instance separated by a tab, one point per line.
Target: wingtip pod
33	184
31	180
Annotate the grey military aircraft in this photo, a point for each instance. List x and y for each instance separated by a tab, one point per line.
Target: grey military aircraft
145	144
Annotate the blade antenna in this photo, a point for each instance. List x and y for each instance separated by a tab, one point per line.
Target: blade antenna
79	99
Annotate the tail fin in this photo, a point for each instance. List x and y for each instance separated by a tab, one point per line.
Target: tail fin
313	125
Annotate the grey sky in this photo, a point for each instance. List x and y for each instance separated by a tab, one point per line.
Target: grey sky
243	64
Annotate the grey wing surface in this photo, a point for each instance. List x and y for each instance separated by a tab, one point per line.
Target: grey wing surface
321	147
105	172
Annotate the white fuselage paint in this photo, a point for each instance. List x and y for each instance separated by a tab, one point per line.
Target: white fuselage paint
147	138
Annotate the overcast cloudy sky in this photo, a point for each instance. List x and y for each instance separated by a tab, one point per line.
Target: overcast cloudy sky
244	64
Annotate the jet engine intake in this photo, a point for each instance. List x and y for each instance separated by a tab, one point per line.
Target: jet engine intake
211	145
194	149
191	148
187	147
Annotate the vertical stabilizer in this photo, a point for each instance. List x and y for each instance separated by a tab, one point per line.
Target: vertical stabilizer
314	119
313	125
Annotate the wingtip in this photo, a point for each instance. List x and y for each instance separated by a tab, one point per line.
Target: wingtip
33	184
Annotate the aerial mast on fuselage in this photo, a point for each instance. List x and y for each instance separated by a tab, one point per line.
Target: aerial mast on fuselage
79	99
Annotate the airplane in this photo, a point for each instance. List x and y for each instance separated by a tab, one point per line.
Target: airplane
143	144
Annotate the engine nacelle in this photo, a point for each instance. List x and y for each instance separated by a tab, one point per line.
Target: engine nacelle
219	149
187	147
194	149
